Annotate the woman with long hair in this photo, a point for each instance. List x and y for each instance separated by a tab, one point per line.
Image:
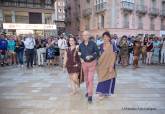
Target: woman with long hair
144	50
20	51
106	68
50	51
73	64
149	51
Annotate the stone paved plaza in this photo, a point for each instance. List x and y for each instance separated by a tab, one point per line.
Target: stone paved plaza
46	91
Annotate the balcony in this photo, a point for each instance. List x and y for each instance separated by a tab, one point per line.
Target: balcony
24	4
87	12
162	13
154	11
127	6
141	9
101	7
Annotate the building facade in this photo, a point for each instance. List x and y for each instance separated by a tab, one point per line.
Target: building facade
122	17
60	15
27	12
72	16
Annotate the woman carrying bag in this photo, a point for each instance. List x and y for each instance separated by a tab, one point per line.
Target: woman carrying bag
73	65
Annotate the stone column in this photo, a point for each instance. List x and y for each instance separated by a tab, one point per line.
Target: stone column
13	16
1	15
113	15
1	20
43	18
52	18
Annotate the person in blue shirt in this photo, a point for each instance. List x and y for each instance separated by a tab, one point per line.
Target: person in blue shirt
156	50
99	41
11	50
3	49
89	53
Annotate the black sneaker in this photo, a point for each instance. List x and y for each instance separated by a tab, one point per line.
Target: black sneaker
2	64
28	67
90	99
86	95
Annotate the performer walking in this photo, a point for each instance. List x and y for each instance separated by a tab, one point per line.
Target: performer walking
73	64
89	53
106	68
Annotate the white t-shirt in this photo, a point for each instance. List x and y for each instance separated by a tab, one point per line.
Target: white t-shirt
29	43
163	46
62	44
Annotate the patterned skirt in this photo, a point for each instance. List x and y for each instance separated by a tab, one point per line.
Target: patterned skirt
50	53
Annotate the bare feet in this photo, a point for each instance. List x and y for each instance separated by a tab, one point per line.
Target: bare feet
72	93
100	97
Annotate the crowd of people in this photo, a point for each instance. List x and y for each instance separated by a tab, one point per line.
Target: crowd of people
83	56
39	50
130	49
32	50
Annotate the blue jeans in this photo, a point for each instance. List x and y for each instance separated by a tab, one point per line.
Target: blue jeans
20	55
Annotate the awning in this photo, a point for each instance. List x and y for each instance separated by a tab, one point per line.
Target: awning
20	26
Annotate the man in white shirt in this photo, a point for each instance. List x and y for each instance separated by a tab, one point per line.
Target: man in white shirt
163	52
62	44
99	41
29	45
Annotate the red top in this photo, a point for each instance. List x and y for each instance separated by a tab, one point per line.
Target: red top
150	47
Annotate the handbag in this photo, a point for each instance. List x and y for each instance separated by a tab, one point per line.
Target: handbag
81	76
81	73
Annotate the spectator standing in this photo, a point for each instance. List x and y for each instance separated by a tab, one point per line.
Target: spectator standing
136	48
163	52
62	44
20	51
149	51
3	49
41	49
124	51
156	51
50	52
11	50
29	46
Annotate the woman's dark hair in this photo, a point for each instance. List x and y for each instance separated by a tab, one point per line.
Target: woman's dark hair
124	36
91	38
74	40
107	34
